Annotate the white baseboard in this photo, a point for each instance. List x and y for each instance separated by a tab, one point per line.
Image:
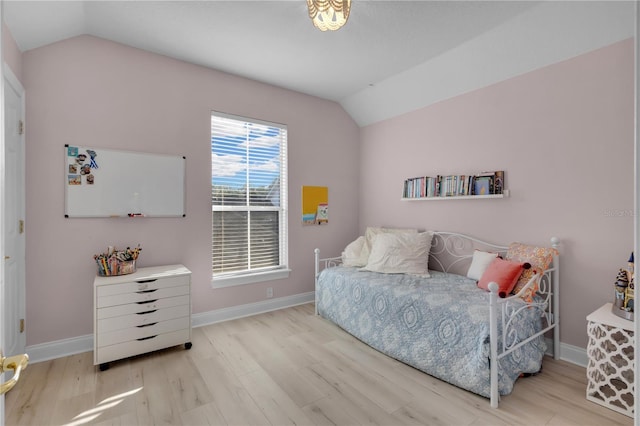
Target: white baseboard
80	344
574	354
60	348
241	311
569	353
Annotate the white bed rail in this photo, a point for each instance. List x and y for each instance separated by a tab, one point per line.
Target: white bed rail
320	265
506	309
452	252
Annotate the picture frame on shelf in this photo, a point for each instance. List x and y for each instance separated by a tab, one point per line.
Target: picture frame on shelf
482	185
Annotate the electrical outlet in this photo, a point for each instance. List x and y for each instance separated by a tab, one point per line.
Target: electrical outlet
269	292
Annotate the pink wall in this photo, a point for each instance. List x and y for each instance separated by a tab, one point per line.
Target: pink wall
88	91
564	136
10	52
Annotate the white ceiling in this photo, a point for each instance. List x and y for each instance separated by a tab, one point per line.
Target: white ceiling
376	66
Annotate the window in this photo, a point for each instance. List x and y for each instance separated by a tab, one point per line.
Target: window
248	200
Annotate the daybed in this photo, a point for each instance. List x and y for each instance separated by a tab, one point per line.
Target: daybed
439	320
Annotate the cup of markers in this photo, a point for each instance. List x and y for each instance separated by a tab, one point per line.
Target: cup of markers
117	262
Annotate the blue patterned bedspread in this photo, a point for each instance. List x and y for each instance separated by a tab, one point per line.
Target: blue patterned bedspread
439	325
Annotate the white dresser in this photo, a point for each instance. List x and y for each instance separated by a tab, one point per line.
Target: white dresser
141	312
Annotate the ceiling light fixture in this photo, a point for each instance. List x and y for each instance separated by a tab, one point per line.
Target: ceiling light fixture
329	14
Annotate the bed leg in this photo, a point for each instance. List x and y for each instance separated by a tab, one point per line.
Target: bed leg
493	339
315	289
555	285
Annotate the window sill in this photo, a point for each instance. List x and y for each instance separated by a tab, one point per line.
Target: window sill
250	278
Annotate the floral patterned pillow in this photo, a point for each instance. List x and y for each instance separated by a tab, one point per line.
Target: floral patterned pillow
539	257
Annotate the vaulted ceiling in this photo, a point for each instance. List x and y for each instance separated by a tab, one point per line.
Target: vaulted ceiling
391	57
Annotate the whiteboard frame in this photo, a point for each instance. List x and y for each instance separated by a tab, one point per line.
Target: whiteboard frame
68	210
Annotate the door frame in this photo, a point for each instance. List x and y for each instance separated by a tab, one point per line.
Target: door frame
2	207
10	78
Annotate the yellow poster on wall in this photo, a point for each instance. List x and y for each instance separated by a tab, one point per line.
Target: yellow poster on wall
315	205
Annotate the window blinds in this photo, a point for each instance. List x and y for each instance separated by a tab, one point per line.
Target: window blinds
249	195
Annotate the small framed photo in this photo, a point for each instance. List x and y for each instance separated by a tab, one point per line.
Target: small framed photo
482	185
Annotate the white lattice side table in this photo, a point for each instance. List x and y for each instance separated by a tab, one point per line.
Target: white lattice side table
610	368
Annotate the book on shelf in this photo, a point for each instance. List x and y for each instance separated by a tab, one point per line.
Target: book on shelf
498	182
484	183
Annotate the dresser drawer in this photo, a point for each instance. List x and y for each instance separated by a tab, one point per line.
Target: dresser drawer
142	332
142	319
135	347
141	296
141	312
142	285
134	308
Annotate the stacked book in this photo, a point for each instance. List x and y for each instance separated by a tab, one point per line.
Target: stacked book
485	183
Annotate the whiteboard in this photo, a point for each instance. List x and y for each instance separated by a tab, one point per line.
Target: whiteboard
110	183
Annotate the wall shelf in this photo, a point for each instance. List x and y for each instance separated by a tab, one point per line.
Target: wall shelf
484	185
459	197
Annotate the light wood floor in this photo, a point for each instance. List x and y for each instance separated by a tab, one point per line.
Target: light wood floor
284	367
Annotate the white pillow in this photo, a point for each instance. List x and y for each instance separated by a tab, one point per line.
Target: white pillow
351	253
479	263
371	233
400	253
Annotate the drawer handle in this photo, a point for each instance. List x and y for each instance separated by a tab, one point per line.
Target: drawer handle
146	338
146	312
147	281
146	291
147	301
146	325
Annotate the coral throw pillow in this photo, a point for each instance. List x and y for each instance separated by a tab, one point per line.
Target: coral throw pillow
503	272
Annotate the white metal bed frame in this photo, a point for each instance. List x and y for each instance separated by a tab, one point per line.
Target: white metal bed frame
452	253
